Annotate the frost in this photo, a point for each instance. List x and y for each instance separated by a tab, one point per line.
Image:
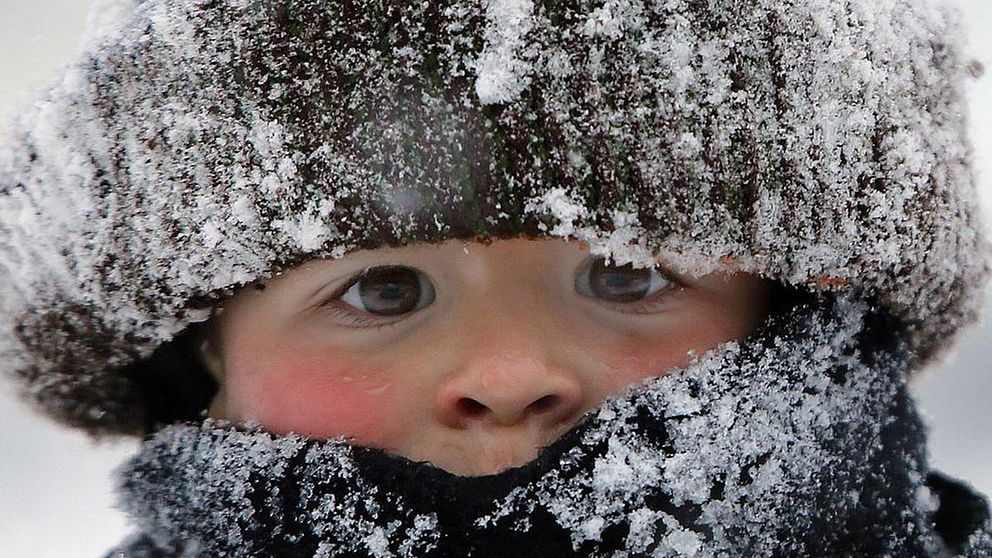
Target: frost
563	206
503	72
682	543
309	232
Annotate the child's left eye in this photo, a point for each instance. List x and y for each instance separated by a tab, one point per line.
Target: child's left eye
389	291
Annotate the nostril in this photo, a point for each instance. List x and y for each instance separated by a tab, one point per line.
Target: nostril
545	403
471	407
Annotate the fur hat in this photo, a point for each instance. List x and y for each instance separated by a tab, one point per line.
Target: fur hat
201	145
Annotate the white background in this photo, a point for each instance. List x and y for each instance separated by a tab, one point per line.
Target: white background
56	497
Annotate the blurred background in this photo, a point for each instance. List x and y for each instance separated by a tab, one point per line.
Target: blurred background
56	489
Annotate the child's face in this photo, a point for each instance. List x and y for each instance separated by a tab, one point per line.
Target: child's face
469	356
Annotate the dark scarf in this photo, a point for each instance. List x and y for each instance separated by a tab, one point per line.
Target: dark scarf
800	441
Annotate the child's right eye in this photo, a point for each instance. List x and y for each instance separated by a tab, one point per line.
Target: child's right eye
622	284
389	291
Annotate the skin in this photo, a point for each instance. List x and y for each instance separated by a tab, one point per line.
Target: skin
507	357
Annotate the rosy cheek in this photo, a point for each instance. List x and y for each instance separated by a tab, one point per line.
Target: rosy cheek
316	394
632	361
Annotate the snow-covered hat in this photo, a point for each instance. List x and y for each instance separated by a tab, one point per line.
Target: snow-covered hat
201	145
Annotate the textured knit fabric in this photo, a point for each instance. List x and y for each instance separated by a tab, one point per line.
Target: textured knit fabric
201	145
800	441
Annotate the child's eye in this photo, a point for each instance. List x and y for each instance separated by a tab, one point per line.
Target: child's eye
389	291
620	284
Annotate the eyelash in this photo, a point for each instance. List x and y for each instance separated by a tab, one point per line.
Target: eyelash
353	319
335	307
648	305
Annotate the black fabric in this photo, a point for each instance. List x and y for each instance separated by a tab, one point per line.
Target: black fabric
962	511
173	382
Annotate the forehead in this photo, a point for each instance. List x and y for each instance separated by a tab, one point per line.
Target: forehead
465	254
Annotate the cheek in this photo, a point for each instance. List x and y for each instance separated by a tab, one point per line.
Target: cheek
633	360
315	393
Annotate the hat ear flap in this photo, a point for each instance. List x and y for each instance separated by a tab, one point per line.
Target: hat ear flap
208	349
180	380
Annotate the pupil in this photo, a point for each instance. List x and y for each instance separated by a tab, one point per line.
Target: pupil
389	291
619	283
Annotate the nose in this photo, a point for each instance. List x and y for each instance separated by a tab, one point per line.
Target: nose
508	386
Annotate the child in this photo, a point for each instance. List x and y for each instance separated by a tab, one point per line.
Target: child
484	279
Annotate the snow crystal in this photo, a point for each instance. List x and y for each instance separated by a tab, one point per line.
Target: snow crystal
563	206
623	244
624	468
592	528
613	18
308	231
377	543
226	483
105	19
682	543
503	71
